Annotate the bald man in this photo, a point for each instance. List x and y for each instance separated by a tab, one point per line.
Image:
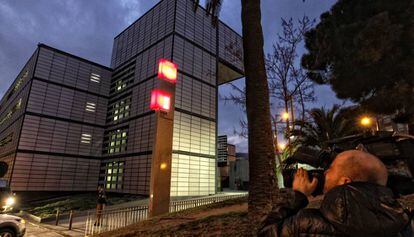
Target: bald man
356	203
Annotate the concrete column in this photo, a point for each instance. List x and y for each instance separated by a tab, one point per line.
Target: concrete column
160	183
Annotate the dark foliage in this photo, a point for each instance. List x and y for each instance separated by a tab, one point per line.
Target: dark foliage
325	125
365	51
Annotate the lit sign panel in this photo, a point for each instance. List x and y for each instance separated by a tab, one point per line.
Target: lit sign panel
160	100
167	71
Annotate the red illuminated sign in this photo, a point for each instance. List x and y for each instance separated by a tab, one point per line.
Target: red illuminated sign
160	100
167	70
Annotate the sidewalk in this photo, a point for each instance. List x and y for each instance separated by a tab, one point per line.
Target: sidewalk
44	230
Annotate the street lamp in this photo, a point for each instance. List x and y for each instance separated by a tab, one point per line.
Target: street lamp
369	122
366	121
282	146
285	116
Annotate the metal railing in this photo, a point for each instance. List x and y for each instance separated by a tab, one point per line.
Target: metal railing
98	222
107	220
191	203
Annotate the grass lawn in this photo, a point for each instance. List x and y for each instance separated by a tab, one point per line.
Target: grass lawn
77	202
218	219
228	218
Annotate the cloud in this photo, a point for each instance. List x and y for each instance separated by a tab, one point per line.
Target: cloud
87	29
240	143
134	10
84	28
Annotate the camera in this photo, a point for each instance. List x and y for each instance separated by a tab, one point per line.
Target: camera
289	174
314	161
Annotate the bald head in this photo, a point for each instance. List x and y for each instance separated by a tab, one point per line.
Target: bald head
362	167
355	166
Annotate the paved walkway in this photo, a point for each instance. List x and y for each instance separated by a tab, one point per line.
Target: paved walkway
78	226
48	230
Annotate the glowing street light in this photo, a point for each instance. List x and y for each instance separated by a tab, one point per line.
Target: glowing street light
285	116
281	146
366	121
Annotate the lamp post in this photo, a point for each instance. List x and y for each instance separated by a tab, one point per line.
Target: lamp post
279	146
285	117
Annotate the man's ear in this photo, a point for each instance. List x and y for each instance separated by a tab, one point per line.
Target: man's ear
344	180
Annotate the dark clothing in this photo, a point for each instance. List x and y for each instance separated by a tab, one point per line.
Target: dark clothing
102	197
354	210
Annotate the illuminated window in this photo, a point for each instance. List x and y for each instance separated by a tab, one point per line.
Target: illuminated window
119	110
120	85
9	114
116	141
90	107
123	77
192	175
95	78
86	138
6	140
114	175
18	84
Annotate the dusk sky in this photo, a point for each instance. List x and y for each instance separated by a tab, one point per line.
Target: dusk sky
87	29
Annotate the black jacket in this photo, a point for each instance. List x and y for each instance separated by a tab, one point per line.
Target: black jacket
101	197
354	210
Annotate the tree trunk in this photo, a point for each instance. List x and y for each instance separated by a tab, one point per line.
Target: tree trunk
263	183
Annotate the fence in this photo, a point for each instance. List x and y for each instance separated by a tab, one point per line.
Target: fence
185	204
113	219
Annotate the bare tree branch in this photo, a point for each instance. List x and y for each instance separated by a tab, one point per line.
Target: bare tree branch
287	79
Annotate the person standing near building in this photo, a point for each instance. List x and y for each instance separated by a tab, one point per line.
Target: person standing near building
101	202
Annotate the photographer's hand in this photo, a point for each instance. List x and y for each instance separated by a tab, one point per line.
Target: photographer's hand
302	184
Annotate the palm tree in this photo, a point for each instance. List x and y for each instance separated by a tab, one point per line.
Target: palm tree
325	125
263	183
262	164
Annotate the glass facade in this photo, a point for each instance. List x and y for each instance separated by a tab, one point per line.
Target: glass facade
150	28
116	141
192	175
222	149
194	134
123	77
120	109
190	40
10	113
18	84
79	114
6	140
194	139
114	175
231	47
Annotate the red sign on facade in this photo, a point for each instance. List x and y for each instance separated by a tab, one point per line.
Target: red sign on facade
167	70
160	100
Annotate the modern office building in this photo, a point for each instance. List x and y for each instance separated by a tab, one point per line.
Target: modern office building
222	150
226	153
239	174
69	124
